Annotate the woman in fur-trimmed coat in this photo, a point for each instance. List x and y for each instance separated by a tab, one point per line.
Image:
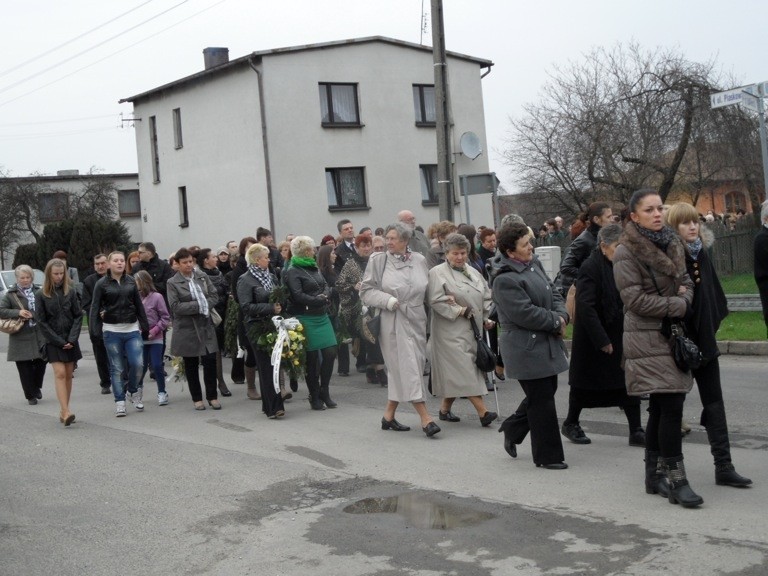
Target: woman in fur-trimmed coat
649	269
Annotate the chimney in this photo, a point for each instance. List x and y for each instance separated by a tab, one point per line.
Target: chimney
68	173
215	57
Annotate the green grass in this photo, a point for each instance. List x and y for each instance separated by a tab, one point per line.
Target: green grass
742	326
745	326
739	284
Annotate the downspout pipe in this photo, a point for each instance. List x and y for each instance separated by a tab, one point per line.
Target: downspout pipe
265	146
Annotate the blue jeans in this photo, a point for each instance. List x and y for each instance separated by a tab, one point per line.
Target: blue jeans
124	348
153	356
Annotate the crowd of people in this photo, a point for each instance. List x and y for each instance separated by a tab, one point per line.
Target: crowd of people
622	283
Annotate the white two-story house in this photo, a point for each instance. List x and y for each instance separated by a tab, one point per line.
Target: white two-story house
295	139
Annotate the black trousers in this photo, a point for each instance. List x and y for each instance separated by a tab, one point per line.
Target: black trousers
343	355
665	414
537	413
102	362
31	374
191	364
271	401
708	382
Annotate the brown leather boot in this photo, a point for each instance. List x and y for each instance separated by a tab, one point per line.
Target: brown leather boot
250	380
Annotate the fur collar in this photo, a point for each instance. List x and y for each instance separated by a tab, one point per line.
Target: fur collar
671	263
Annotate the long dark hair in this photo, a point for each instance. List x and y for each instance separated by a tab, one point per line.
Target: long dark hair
594	210
324	263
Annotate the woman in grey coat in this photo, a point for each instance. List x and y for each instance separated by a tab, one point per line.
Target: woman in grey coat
649	268
191	297
24	346
532	319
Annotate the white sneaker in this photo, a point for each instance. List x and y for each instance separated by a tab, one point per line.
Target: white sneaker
136	399
120	408
162	398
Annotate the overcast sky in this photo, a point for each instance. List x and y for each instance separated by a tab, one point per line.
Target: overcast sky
65	65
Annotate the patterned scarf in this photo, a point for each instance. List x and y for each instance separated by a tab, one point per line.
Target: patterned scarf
29	294
403	257
197	292
660	238
463	270
263	276
695	247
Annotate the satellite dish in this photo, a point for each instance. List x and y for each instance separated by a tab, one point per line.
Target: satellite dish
470	145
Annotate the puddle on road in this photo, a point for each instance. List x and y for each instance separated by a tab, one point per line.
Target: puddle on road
421	510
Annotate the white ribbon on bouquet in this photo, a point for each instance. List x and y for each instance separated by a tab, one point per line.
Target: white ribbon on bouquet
282	325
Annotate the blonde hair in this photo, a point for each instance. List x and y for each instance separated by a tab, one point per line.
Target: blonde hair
255	252
48	284
681	213
303	247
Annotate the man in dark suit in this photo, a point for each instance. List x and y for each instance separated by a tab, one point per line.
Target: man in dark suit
346	247
761	261
99	350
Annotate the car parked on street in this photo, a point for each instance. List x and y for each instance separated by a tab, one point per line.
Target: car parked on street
8	279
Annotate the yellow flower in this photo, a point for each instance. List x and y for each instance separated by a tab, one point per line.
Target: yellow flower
292	334
299	328
296	362
290	354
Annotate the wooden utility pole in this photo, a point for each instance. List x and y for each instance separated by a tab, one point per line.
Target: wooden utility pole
442	108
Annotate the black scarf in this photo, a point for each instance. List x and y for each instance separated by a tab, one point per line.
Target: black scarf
659	238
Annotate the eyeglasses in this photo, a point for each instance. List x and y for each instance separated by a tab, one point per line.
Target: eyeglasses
378	249
616	218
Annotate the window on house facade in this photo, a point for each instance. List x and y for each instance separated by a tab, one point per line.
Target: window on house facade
424	104
178	141
734	201
428	174
183	210
346	187
338	104
54	206
128	203
153	149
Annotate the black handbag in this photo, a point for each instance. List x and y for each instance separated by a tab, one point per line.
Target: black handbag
685	352
485	359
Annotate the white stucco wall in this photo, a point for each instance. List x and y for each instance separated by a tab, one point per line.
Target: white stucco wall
222	160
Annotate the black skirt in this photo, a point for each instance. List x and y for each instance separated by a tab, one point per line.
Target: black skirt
57	354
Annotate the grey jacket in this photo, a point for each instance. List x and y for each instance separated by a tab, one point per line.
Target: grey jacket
648	363
529	311
193	334
26	343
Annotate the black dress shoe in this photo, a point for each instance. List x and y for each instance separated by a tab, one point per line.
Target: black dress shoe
431	429
39	394
553	466
393	425
106	389
510	447
448	416
487	418
32	401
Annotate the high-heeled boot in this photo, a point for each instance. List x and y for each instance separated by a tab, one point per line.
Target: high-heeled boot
713	419
325	396
370	376
680	492
509	445
250	380
220	376
314	395
381	376
655	477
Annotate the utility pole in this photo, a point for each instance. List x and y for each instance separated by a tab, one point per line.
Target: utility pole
444	168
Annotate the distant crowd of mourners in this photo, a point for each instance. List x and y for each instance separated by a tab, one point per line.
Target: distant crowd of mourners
405	303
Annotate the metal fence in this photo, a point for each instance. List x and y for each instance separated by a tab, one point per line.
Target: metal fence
732	254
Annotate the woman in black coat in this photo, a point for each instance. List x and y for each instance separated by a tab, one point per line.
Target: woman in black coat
709	309
598	214
596	376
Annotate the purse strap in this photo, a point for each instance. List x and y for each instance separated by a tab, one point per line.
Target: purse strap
21	306
475	331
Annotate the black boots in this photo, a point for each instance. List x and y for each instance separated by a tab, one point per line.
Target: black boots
315	401
655	479
680	491
370	376
325	396
713	419
382	377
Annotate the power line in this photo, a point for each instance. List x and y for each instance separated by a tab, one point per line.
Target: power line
16	137
84	34
110	55
59	121
57	64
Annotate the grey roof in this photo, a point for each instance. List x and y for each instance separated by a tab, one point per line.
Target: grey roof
244	60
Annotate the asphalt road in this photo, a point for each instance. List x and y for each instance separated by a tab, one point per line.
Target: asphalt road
174	491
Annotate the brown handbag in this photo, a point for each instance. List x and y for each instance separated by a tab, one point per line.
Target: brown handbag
12	325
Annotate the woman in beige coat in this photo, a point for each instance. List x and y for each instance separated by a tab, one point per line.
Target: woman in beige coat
395	282
457	295
650	272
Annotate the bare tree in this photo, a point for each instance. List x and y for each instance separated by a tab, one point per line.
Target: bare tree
618	120
98	200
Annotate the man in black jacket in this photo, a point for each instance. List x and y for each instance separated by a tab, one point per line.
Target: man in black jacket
159	269
264	237
761	261
346	247
99	351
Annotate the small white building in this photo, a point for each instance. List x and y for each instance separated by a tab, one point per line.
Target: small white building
295	139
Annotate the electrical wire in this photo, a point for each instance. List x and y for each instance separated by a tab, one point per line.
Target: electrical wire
60	121
16	137
110	55
57	64
68	42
